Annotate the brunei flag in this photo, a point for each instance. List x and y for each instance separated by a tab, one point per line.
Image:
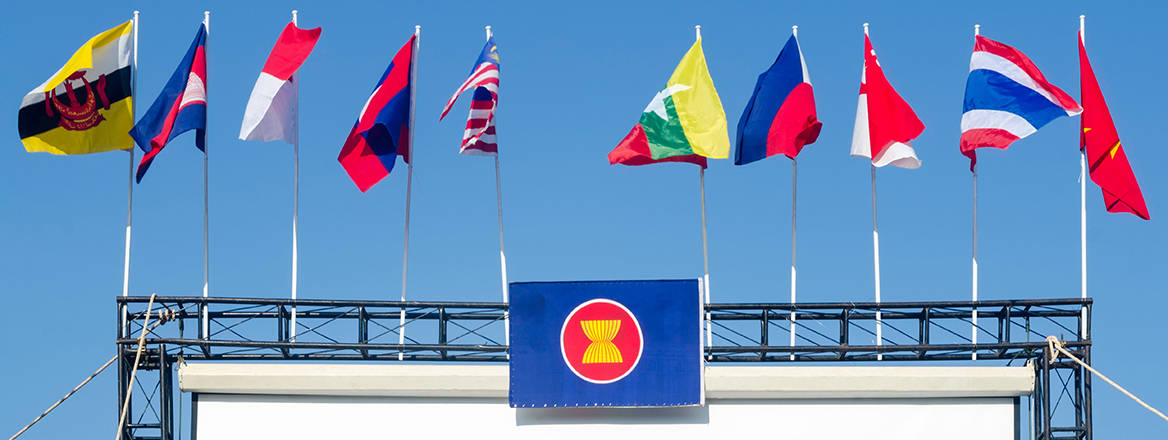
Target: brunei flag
683	123
86	106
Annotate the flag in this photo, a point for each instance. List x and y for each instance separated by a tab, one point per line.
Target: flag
181	107
1100	142
885	124
479	138
684	122
780	116
1006	98
271	110
606	343
382	131
87	105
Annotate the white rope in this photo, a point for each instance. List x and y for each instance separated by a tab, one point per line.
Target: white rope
134	371
1057	346
161	319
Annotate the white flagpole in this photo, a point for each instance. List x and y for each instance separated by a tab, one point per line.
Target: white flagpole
973	314
876	268
401	318
794	184
1083	207
876	258
295	195
705	240
502	254
206	322
130	183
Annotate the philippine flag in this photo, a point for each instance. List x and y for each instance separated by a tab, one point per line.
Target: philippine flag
1006	98
780	117
885	124
382	130
181	107
271	110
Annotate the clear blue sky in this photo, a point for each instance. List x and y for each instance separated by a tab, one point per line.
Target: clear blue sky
575	79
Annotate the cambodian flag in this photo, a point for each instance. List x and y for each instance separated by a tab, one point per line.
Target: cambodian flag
181	107
1006	98
382	130
780	117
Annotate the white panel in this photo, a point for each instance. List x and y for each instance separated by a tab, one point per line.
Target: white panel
250	417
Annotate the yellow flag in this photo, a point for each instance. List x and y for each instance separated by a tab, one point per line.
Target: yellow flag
698	106
87	105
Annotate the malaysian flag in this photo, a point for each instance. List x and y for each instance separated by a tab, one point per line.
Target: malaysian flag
479	138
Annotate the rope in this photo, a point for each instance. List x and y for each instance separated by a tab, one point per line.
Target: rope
62	400
161	319
1057	346
134	371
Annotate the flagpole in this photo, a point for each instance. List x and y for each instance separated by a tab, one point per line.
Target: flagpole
973	314
401	318
130	180
206	323
295	195
1083	208
705	240
794	185
502	254
876	258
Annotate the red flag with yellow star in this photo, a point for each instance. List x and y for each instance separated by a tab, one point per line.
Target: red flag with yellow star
1105	157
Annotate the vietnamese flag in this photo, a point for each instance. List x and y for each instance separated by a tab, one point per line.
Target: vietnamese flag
1100	143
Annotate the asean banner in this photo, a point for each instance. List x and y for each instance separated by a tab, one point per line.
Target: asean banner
606	343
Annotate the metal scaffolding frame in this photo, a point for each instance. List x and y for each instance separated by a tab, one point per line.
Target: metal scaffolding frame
350	330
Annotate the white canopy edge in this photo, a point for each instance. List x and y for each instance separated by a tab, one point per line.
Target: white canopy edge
491	381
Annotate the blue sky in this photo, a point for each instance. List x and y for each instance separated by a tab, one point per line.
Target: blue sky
575	78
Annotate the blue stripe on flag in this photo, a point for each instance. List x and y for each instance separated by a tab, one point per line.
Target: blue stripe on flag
990	90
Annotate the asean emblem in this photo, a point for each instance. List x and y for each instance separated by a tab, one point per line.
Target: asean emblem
601	341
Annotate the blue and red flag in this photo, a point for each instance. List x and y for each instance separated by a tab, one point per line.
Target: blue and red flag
181	107
606	343
1006	98
780	117
382	131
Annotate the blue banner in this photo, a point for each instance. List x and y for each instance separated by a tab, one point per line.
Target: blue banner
606	343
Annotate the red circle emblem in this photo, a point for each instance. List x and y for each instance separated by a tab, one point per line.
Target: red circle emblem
601	341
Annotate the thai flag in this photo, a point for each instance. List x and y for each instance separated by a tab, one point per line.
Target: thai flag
181	107
1006	98
780	117
479	137
382	131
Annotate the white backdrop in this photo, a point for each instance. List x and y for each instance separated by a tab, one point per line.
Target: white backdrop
251	417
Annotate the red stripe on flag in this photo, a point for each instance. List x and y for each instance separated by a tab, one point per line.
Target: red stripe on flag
292	48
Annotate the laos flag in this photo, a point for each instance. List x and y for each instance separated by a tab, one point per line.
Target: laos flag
606	343
181	107
780	117
382	131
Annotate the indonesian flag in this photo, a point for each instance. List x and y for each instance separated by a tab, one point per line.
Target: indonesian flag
885	124
271	110
1100	143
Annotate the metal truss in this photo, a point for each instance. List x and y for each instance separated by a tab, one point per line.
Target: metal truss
235	329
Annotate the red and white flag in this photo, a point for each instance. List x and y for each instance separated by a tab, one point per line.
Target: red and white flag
271	110
885	124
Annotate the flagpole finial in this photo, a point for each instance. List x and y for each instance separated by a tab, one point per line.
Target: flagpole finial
489	33
698	31
865	28
795	30
1082	19
417	29
136	12
976	30
295	17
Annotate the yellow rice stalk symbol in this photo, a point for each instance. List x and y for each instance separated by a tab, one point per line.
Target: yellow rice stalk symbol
601	333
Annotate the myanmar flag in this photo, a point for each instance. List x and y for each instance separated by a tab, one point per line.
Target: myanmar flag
683	123
86	106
